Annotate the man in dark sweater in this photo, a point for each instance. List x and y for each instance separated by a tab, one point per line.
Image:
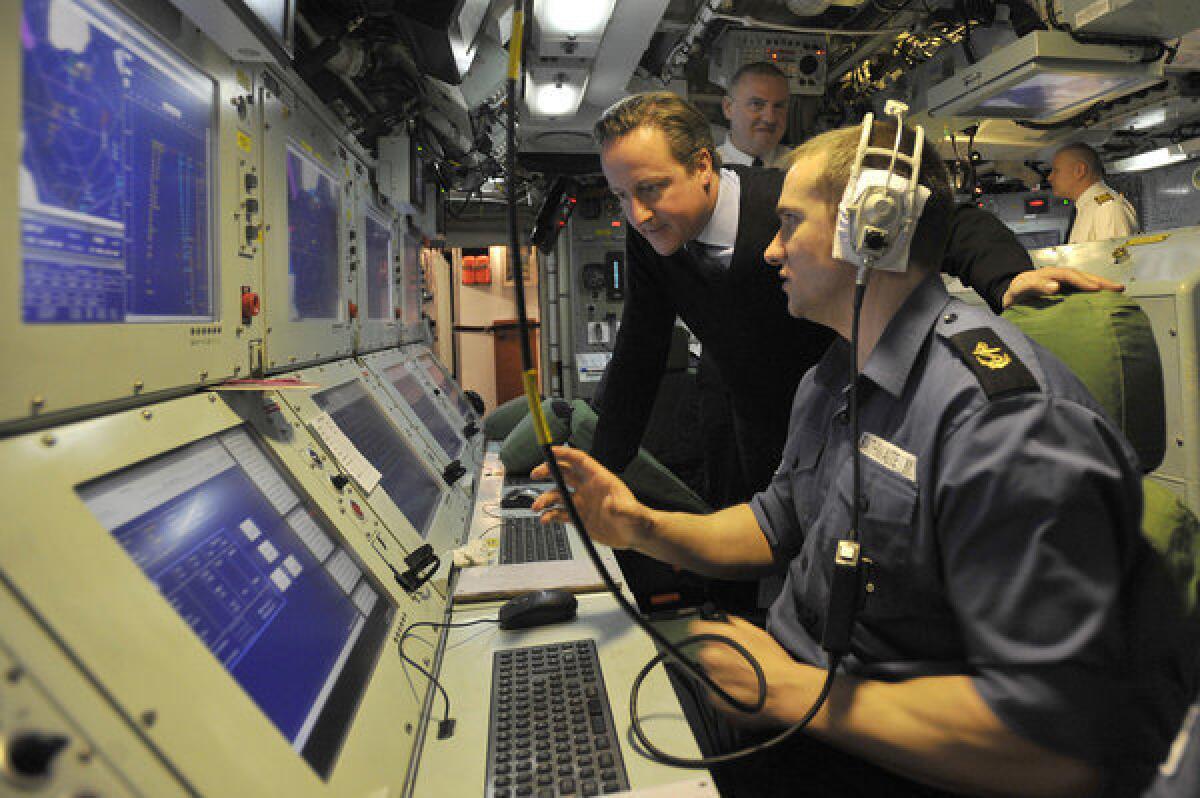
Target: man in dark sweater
695	251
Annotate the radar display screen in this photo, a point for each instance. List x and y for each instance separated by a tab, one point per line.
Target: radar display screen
413	393
255	574
411	312
116	144
313	210
412	488
447	385
379	269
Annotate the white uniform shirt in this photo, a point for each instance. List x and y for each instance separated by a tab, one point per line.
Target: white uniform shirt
1100	213
732	155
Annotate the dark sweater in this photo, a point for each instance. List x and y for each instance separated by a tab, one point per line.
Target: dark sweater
740	316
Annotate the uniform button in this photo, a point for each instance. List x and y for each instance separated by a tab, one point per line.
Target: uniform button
950	318
842	417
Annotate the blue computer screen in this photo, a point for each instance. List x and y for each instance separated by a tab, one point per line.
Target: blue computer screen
249	568
447	385
313	210
410	486
411	288
379	269
414	395
114	174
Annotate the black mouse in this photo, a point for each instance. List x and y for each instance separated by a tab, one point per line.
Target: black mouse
519	498
538	608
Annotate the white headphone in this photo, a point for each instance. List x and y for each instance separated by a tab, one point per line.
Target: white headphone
879	209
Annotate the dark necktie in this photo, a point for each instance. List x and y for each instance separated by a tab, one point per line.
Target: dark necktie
757	162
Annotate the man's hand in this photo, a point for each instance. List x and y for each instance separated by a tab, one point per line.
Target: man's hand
791	686
608	508
1044	282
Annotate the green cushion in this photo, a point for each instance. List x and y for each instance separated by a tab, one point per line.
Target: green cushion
1106	340
498	423
651	481
1174	532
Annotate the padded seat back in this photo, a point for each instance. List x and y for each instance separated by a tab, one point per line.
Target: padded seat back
1105	338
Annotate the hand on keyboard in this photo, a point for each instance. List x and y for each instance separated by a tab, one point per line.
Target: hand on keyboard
608	508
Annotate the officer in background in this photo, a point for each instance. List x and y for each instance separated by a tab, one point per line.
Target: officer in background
1016	631
1100	212
756	106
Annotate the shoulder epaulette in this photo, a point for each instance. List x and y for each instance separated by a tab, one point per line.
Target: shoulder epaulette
1103	198
995	365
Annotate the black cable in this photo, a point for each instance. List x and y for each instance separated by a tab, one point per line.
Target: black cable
429	675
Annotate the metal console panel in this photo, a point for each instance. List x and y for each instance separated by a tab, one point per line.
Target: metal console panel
146	694
420	507
92	314
309	213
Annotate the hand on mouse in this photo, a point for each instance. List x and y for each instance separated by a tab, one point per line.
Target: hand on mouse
608	508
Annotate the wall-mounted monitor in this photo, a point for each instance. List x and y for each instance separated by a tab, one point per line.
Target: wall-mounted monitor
313	207
124	161
377	268
116	165
410	287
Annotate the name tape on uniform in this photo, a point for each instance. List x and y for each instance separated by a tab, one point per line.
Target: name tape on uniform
889	455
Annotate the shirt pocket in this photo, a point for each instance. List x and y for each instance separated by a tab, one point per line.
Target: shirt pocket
887	534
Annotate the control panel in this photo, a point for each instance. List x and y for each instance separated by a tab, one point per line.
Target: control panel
1038	218
597	272
800	56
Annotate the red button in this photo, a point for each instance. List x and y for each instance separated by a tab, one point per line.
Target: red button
357	510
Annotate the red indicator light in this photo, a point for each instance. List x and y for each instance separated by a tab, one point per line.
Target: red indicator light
616	224
561	223
1037	203
571	200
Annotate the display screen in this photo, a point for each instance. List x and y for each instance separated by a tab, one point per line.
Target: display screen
116	158
379	269
256	575
414	395
447	385
1037	239
1049	92
313	209
411	288
411	487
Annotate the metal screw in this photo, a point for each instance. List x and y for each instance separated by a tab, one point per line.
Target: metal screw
48	439
149	717
147	414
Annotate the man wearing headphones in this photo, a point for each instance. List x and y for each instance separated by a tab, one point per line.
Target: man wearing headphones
694	251
1014	631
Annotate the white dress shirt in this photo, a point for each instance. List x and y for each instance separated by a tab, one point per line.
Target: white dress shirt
732	155
720	234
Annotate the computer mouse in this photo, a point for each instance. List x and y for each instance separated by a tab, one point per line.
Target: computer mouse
519	498
538	608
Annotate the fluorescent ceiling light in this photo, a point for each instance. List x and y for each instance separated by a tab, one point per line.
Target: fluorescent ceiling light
1163	156
555	93
578	17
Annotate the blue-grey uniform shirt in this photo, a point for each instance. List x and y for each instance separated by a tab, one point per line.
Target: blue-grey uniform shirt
1001	521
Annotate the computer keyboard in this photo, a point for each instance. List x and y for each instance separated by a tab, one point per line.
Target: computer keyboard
551	732
526	539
